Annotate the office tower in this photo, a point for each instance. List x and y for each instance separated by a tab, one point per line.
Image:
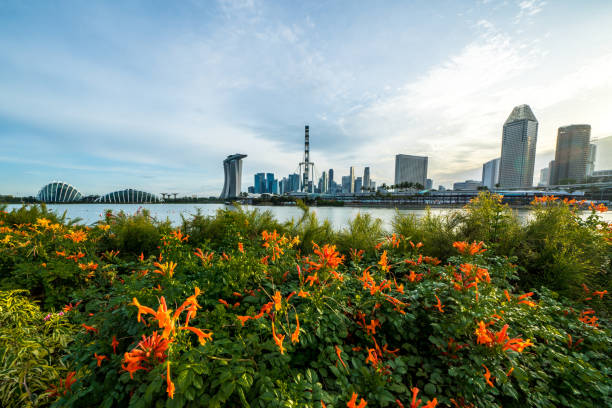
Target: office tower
366	178
346	184
490	173
260	183
410	169
358	185
331	179
571	155
372	185
519	138
352	176
591	163
428	184
324	183
251	190
269	183
274	189
232	167
293	183
544	177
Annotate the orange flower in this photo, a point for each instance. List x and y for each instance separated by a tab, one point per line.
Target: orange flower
179	236
484	336
371	328
467	248
202	337
243	319
99	358
223	302
114	343
328	257
89	328
141	309
278	339
76	236
303	294
170	388
149	350
277	300
312	279
384	265
64	385
415	276
241	247
338	353
165	269
141	257
296	334
600	293
353	402
509	372
439	305
487	376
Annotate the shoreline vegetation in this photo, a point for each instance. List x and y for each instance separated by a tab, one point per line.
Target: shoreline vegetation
472	308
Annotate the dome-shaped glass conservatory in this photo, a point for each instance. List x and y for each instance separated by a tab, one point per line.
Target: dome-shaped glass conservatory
58	192
128	196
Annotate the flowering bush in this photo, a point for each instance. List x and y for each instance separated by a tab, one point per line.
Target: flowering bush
255	320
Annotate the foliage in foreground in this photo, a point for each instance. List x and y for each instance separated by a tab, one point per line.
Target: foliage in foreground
252	319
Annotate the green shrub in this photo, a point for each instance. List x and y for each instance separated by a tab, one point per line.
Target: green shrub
31	350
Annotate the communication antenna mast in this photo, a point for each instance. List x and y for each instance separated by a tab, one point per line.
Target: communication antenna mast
307	165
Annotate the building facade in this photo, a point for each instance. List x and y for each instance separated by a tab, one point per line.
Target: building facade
58	192
571	155
352	176
468	185
544	177
410	169
232	167
366	178
519	138
591	163
490	173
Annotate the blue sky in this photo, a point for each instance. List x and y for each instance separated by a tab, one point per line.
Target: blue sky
153	95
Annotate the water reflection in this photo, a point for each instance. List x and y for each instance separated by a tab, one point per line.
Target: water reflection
337	216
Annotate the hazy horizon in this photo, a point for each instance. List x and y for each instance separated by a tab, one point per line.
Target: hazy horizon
154	96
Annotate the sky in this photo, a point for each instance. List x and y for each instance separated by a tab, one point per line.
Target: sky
154	95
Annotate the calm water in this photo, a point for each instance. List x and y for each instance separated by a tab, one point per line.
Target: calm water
337	216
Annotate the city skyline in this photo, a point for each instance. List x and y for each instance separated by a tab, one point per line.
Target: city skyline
158	96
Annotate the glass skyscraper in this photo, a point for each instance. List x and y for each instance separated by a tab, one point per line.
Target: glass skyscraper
571	155
410	169
519	139
490	173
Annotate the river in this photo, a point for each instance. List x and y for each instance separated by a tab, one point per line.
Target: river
337	216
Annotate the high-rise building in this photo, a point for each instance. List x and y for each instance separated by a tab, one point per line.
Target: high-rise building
352	176
591	163
358	185
366	178
331	180
346	184
490	173
519	139
428	184
410	169
544	177
324	183
269	183
294	182
259	183
571	155
232	167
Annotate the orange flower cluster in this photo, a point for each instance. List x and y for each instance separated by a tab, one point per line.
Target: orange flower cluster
486	337
278	339
275	241
544	199
328	257
417	403
165	269
522	299
469	276
469	249
76	236
206	258
601	207
384	263
178	235
149	351
588	317
353	402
